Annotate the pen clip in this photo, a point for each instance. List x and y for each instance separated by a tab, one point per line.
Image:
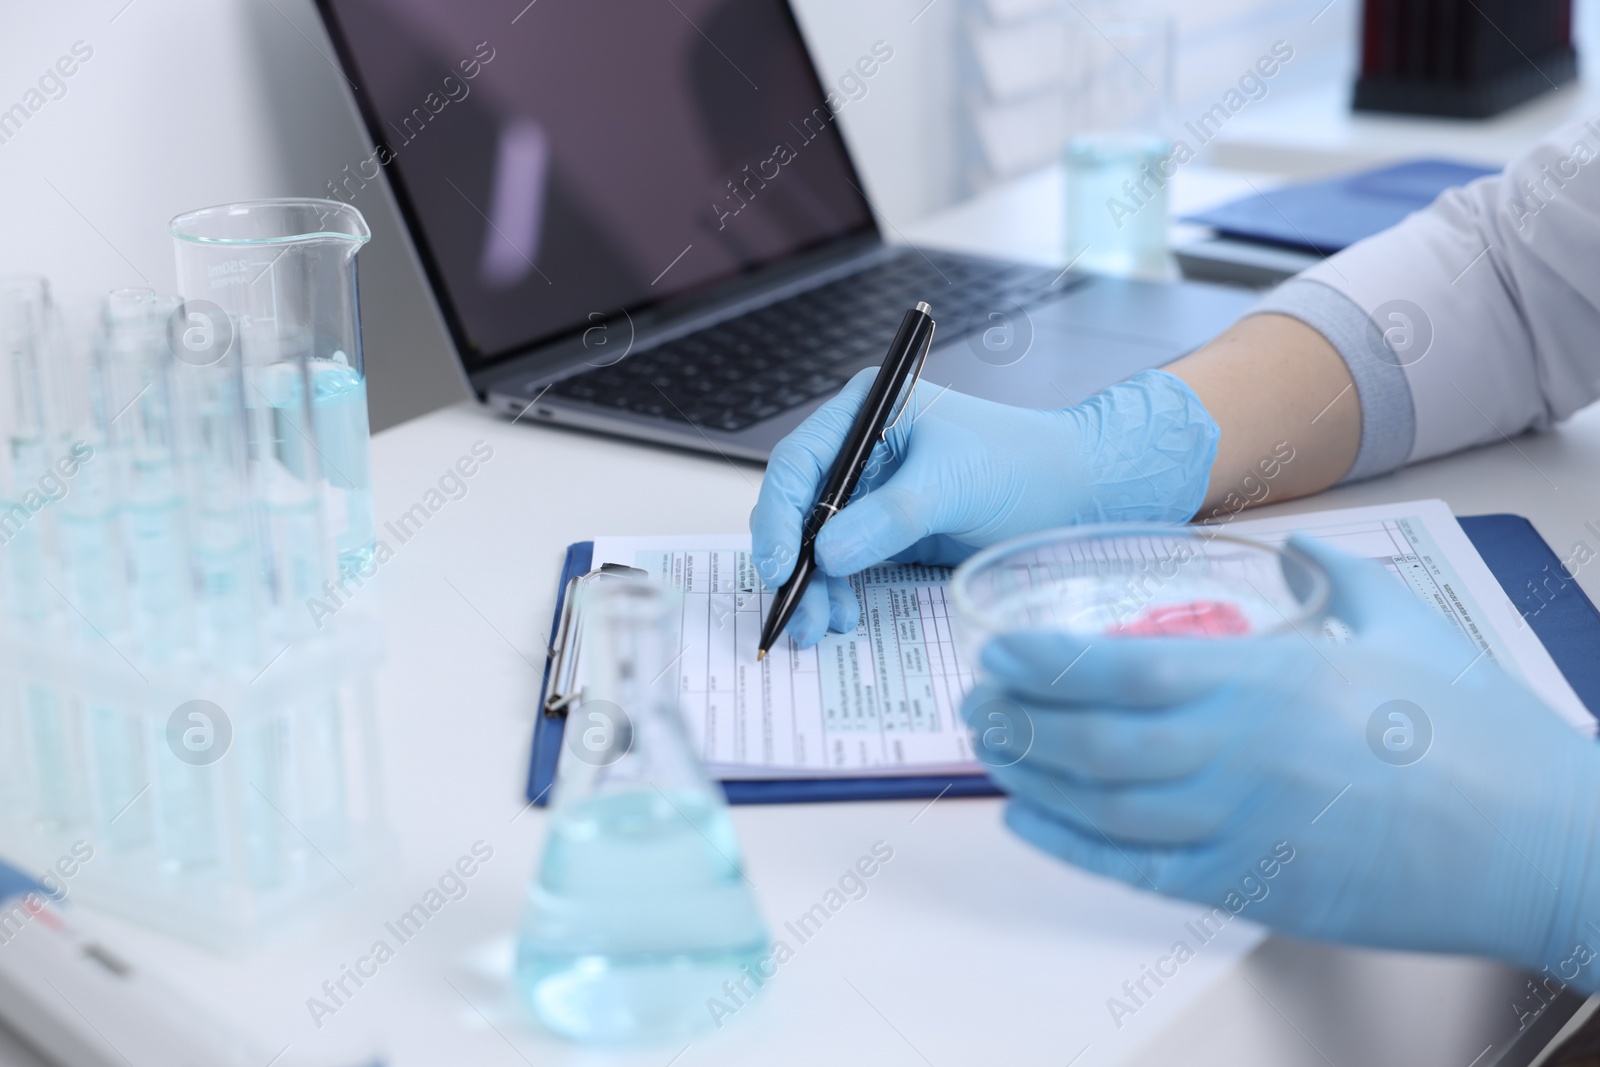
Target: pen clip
911	382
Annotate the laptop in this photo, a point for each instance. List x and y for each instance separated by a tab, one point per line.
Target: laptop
641	218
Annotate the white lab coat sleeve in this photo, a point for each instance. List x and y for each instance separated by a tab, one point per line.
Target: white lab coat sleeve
1487	303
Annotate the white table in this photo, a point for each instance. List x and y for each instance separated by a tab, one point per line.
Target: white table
959	950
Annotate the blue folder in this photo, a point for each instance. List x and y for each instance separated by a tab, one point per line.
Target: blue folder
1555	607
1327	216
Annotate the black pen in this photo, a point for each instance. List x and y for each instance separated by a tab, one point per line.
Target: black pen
896	377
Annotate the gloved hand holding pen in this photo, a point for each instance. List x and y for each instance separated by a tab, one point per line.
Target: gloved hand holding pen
1464	825
973	472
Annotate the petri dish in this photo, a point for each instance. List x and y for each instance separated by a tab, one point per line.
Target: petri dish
1130	581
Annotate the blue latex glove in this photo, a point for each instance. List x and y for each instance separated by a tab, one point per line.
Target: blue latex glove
958	473
1271	777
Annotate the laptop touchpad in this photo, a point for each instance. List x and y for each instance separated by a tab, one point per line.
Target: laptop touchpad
1060	353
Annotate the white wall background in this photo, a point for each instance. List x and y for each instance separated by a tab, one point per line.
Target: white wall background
193	102
1025	81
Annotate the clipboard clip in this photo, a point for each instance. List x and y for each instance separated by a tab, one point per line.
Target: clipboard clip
563	690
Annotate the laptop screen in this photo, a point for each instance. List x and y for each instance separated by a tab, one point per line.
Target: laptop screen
562	163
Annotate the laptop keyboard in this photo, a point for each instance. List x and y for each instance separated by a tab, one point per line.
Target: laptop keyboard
738	372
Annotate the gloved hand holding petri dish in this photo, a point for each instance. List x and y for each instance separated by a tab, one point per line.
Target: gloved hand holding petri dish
1192	713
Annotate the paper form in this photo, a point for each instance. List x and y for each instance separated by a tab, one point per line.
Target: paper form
886	698
1422	545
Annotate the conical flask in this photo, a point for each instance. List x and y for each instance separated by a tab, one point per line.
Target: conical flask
639	913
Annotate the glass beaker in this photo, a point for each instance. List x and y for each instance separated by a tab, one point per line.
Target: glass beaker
1119	154
639	913
277	278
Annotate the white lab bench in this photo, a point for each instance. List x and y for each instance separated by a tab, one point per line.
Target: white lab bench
957	954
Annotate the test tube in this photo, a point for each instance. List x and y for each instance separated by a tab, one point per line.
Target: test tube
24	499
93	566
136	366
318	759
57	748
187	821
122	816
212	435
29	490
213	439
263	799
339	409
287	464
16	783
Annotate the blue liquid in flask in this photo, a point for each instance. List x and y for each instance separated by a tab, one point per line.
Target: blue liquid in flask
637	915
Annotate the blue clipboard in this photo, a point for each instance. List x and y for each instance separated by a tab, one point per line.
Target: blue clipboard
1552	602
1559	612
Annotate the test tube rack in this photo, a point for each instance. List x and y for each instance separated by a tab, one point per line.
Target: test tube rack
213	806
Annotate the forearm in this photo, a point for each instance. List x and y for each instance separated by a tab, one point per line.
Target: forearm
1276	388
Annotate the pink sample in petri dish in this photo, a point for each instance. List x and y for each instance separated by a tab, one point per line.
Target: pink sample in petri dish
1194	618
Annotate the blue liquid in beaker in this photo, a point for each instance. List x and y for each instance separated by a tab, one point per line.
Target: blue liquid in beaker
1116	211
